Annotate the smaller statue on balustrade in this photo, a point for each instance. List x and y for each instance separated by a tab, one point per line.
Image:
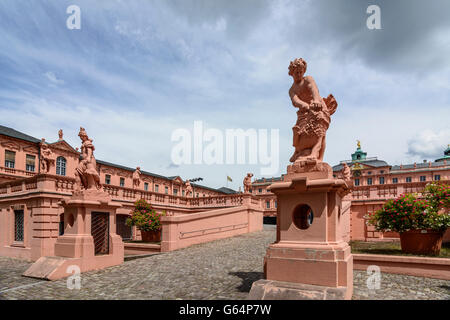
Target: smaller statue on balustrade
346	173
86	175
137	178
248	182
46	157
189	192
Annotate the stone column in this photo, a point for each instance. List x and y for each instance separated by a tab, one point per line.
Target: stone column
310	259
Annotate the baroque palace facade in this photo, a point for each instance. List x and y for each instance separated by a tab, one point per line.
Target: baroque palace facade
374	181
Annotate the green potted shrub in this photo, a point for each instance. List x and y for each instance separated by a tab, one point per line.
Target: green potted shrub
421	222
147	220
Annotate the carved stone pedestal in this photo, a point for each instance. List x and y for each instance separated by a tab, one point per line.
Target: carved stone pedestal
310	259
89	242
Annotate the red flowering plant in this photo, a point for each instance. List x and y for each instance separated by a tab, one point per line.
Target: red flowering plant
408	212
438	195
144	217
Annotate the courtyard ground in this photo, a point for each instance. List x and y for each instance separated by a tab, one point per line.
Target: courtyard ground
223	269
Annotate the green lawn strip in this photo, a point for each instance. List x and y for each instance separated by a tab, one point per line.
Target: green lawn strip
391	248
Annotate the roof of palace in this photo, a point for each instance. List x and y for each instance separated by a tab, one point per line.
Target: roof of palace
268	180
372	162
130	169
227	190
10	132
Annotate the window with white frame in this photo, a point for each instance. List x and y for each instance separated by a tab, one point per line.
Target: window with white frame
10	159
30	163
61	166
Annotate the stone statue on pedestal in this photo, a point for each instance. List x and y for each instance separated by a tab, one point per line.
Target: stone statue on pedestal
188	188
46	157
86	174
313	120
310	258
248	182
137	178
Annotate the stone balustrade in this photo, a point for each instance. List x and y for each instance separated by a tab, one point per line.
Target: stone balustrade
65	185
388	191
17	172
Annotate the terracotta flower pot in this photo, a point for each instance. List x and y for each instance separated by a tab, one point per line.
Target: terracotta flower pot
151	236
427	242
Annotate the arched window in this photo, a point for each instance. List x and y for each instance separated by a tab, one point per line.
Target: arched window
61	166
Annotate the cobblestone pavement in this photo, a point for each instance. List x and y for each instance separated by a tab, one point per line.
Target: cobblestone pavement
223	269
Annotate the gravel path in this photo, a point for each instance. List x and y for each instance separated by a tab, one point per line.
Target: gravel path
223	269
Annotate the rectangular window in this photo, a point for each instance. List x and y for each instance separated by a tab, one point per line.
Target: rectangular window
268	204
30	162
18	225
166	190
107	179
408	179
175	192
381	180
423	178
146	186
183	193
260	190
437	177
122	182
275	204
356	182
61	224
197	194
10	159
369	181
369	172
156	188
394	180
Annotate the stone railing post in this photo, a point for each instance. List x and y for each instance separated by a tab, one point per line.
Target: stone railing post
169	234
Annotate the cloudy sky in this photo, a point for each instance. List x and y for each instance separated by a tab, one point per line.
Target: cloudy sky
138	70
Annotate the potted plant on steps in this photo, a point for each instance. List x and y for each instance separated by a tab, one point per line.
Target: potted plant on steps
147	220
421	222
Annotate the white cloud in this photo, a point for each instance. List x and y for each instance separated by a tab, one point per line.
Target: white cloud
429	143
52	78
